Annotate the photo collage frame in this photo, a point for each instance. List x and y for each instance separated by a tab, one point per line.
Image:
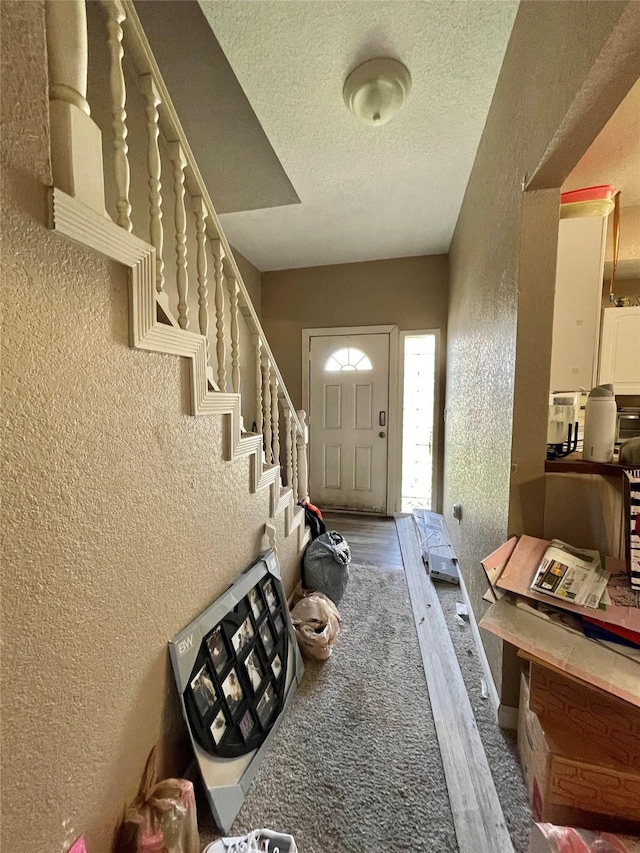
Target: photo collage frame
237	685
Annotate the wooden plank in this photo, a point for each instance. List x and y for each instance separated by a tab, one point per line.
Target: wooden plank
477	814
373	541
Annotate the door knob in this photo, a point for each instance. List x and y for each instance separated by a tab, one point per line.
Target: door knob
382	434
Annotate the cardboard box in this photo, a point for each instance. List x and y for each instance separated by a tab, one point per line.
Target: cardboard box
569	783
588	714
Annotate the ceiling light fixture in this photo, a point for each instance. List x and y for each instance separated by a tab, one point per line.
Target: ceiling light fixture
375	90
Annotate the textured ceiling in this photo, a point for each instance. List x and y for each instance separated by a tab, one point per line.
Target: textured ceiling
614	156
222	129
366	193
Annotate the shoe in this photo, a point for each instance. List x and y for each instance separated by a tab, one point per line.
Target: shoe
258	841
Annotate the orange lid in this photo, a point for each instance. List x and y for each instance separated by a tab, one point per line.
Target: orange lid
599	193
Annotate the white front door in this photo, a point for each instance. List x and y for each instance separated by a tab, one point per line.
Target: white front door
349	417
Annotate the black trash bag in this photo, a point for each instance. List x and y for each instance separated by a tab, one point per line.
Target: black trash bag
313	519
326	565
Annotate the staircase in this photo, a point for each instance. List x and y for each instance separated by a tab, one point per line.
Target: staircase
117	205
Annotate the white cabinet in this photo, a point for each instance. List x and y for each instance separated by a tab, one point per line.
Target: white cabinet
577	303
620	349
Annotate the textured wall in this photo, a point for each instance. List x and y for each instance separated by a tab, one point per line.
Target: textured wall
121	522
252	279
408	292
502	263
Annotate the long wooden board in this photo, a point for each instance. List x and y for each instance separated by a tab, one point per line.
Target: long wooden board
477	814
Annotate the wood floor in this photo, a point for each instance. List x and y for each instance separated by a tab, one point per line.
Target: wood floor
373	541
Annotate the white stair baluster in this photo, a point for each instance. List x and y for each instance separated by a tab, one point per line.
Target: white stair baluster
294	447
115	16
176	155
288	446
235	334
275	418
201	213
266	408
218	257
302	442
257	344
154	169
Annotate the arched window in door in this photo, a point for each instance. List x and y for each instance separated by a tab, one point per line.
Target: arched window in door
348	358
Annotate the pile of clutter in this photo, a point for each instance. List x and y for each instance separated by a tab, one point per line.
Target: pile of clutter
325	573
162	817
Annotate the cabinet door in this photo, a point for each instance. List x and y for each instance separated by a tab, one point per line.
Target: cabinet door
620	349
577	303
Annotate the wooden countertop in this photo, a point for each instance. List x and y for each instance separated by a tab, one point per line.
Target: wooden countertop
575	464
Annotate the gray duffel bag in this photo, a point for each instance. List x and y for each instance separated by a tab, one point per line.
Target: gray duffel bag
326	565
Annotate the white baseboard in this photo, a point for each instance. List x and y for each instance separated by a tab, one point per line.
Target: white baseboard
482	655
506	715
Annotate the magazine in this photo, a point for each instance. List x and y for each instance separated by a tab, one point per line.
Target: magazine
571	574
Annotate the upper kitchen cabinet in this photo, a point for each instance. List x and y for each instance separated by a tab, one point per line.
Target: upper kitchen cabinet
584	280
577	303
620	349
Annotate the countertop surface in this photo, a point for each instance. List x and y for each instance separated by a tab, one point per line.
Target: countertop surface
575	464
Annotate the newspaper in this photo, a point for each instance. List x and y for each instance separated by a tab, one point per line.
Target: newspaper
571	574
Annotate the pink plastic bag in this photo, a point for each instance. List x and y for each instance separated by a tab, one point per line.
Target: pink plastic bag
564	839
161	819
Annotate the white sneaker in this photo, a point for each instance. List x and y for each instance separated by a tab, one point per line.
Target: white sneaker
258	841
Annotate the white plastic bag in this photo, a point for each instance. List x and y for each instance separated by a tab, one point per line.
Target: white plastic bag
317	625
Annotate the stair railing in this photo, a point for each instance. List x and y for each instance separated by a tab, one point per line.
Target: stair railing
218	293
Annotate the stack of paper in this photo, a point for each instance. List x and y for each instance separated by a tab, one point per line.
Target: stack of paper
571	574
600	645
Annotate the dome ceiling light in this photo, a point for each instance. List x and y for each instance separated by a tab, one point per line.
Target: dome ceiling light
375	90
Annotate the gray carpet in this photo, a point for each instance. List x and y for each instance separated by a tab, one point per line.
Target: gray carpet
355	766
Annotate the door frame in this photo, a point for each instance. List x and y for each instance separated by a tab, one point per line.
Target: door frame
393	433
437	415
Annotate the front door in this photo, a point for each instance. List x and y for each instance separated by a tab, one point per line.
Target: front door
348	420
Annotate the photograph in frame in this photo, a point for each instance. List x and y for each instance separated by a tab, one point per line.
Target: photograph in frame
266	636
218	650
276	666
254	669
257	607
247	724
279	623
203	691
243	636
232	690
270	595
267	705
219	727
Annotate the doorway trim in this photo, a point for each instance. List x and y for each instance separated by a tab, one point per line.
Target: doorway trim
394	434
436	494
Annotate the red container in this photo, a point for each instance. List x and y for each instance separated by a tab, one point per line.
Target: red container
599	193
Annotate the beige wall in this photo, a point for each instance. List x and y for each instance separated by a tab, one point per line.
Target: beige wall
629	243
408	292
120	519
547	102
252	278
